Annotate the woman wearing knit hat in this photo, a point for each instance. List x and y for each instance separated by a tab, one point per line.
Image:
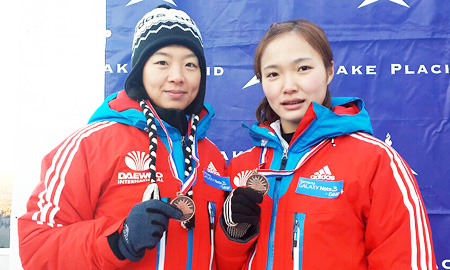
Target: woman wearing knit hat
136	188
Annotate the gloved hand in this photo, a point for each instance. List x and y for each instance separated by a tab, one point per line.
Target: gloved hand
144	227
241	207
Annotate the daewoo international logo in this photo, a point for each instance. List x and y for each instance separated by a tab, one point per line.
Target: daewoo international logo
241	178
138	162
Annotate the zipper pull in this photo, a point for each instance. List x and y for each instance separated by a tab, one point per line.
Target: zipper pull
295	233
284	159
212	215
285	153
294	240
283	162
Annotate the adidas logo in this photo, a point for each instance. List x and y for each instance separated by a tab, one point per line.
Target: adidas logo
323	174
212	169
264	142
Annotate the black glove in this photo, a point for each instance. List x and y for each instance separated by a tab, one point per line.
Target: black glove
241	210
144	227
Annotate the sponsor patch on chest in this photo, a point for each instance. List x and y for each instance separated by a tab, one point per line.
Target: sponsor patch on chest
320	188
216	181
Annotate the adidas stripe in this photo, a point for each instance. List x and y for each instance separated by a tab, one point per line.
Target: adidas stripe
414	206
55	176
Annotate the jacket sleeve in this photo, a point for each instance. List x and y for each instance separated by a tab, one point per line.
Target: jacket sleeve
59	229
231	253
398	234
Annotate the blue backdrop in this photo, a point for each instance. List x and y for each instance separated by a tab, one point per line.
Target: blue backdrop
394	54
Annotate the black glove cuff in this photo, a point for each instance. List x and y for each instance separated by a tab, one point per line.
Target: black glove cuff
114	245
249	235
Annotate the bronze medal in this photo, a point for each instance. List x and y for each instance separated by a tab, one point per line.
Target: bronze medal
258	182
186	205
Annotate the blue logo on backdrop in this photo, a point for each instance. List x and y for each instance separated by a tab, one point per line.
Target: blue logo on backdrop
216	181
319	188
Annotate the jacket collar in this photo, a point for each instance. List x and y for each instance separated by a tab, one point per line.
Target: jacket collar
347	115
118	107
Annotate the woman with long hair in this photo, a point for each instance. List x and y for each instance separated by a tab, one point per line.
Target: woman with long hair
333	196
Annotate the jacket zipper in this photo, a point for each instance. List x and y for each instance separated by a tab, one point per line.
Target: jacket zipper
297	240
295	243
161	253
212	218
274	210
190	231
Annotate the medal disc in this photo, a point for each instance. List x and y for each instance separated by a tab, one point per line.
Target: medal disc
258	182
186	205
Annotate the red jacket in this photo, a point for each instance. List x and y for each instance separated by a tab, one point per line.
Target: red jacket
90	182
352	202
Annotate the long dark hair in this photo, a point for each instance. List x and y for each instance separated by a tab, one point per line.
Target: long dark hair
314	35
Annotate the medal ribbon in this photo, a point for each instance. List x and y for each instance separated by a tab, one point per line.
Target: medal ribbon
190	180
276	173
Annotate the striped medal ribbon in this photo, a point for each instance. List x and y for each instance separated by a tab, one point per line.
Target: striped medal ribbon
181	201
277	173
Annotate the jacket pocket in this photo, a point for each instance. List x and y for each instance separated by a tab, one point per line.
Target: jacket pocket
297	240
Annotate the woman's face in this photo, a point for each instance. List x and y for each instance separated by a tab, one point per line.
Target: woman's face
292	76
171	77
